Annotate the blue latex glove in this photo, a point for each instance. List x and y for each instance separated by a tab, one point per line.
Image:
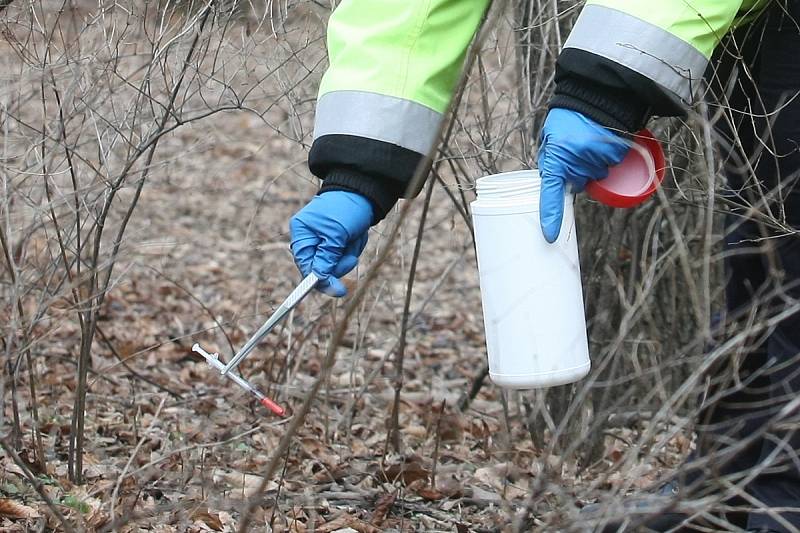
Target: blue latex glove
574	150
328	235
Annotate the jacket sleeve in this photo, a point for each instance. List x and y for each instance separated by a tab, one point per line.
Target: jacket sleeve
392	69
626	60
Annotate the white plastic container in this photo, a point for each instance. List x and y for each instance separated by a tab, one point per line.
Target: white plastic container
531	290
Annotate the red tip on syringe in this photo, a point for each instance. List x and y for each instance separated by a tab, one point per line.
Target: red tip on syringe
272	406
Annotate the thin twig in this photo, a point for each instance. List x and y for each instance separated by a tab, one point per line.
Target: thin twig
436	445
394	420
145	435
131	370
37	485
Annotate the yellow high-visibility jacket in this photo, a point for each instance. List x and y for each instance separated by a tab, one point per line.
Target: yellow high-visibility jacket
394	64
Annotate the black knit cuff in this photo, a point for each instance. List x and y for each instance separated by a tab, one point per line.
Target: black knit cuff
378	170
616	109
382	194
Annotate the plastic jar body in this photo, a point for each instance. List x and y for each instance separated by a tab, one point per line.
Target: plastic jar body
530	289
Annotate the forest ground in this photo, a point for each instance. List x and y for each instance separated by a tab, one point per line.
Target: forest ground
172	446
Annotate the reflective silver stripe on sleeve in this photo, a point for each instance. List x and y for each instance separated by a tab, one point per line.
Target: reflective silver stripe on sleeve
649	50
377	116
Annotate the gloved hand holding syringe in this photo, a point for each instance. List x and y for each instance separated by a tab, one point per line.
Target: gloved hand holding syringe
288	304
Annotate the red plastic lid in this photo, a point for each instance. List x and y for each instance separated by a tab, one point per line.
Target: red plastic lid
636	178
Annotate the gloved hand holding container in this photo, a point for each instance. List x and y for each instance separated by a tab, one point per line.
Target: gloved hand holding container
530	289
527	246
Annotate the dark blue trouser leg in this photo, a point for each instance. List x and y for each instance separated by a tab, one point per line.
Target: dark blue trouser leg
762	160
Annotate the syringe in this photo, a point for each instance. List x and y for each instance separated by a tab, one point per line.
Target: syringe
213	360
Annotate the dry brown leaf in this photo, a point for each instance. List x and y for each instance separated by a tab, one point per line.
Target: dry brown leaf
683	443
331	474
242	484
415	430
210	519
407	472
479	429
451	428
430	494
501	477
14	509
615	453
347	521
13	469
96	520
333	468
296	526
382	508
34	465
359	449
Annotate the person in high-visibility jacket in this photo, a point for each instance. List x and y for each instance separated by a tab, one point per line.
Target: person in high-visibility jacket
393	68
